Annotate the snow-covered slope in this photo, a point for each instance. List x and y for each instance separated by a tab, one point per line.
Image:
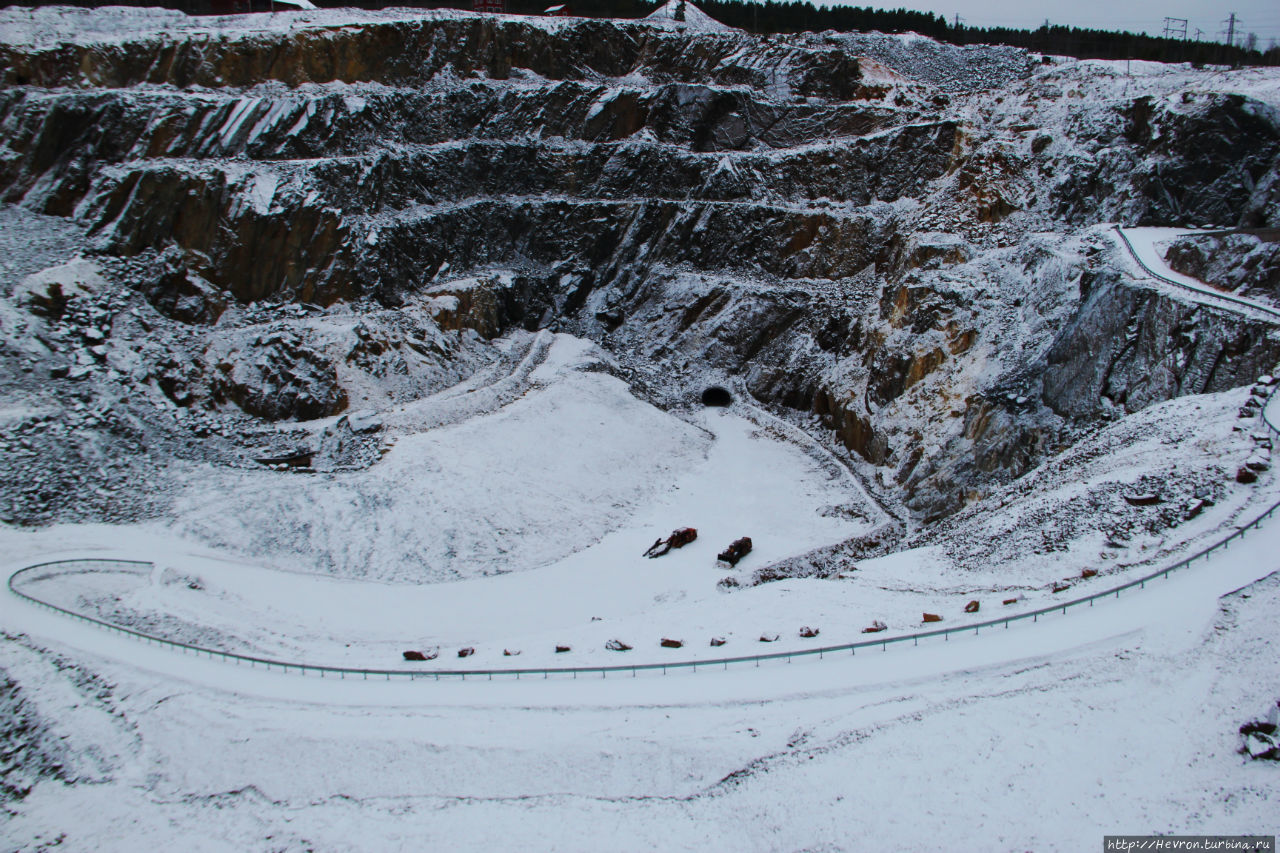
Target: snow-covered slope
389	331
683	15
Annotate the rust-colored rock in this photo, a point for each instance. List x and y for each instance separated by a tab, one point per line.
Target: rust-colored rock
1089	573
875	627
932	617
671	644
466	653
972	606
809	633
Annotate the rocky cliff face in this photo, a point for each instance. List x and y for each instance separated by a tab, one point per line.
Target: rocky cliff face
331	213
1247	263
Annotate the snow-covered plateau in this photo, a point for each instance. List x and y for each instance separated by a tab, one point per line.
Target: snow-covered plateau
389	342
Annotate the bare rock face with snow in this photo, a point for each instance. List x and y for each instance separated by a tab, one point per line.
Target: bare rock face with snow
1247	264
893	243
275	376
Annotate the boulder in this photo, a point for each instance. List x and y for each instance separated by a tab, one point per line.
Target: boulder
365	420
1258	743
1089	573
671	644
932	617
875	627
276	376
562	649
1009	601
430	654
1061	587
768	638
186	297
510	653
48	291
1257	462
466	653
972	606
718	641
1246	475
1144	499
809	633
617	646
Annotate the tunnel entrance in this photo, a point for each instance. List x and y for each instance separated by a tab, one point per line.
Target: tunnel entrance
716	396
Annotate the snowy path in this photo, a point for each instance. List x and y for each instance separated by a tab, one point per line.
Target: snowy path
608	590
1176	610
1142	246
480	395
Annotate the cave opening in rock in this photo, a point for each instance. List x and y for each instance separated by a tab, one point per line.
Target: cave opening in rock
716	396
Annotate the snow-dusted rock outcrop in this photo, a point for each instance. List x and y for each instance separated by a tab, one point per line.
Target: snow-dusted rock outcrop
910	261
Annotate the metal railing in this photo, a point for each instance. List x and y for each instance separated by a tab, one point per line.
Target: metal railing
1226	297
623	669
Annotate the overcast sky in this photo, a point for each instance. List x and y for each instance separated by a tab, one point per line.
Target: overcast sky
1257	16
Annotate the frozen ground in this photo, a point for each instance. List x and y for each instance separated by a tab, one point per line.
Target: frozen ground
1117	718
522	527
510	511
1046	737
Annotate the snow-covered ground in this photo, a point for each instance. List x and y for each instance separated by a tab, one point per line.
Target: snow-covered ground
522	527
510	512
1121	716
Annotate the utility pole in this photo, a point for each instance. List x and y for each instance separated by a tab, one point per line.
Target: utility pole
1199	32
1175	28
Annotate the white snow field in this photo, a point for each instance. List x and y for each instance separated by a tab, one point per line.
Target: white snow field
511	513
539	481
1116	718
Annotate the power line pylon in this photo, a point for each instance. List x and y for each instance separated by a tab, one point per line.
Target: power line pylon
1175	28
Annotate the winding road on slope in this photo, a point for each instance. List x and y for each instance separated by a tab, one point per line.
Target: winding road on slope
1182	598
1177	605
1141	245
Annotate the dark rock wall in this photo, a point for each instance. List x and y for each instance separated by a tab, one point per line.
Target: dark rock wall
1128	348
1202	159
696	203
1245	263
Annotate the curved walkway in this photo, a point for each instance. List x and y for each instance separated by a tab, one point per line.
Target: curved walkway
1147	259
873	642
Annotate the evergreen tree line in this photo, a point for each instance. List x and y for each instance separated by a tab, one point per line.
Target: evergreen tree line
792	16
